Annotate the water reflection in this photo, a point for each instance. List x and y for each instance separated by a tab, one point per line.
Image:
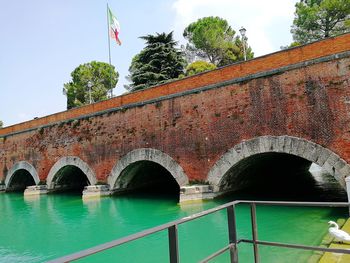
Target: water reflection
56	225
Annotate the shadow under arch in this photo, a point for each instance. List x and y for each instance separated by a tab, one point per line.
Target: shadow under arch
297	147
25	166
149	155
69	161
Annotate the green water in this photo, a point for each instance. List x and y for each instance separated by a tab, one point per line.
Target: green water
36	230
44	228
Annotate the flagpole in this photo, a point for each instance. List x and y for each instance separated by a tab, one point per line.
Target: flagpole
109	52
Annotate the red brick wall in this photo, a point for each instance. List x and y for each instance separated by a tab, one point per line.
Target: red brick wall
196	130
261	64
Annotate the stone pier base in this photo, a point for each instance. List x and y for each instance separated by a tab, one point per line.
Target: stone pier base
96	191
196	192
36	190
347	181
2	188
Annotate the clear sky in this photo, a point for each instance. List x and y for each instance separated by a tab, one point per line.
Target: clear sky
42	41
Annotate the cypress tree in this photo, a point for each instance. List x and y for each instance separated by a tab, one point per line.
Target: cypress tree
159	62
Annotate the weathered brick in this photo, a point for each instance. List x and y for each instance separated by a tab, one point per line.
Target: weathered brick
299	109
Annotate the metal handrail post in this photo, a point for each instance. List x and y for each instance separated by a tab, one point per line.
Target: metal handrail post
254	231
173	244
232	233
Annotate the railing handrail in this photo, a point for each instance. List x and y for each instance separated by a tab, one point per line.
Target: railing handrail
175	223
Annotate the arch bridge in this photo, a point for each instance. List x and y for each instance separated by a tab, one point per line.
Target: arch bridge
198	137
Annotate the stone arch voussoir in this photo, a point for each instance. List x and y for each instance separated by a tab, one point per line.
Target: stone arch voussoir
308	150
22	165
73	161
148	154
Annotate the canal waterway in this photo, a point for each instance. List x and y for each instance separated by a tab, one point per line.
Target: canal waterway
40	229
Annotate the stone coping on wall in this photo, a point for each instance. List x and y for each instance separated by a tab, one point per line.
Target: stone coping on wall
255	67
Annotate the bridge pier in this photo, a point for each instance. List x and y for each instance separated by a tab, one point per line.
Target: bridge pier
347	181
35	190
196	193
96	191
91	191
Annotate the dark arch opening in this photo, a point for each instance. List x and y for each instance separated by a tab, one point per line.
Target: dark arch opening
147	177
20	180
70	179
280	176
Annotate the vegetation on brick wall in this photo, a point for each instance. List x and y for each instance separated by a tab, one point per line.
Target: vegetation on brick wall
198	181
41	130
76	123
41	182
198	67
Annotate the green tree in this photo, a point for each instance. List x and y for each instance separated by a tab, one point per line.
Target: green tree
1	124
199	66
90	80
213	39
158	62
317	19
293	44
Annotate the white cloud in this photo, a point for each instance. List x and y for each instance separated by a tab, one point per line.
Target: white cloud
267	22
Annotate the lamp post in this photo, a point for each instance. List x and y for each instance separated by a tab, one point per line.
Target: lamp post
242	31
89	84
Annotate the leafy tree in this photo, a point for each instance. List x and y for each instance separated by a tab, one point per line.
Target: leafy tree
158	62
199	66
212	38
317	19
293	44
95	79
1	124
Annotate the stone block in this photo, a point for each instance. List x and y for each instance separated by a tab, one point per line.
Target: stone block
329	168
274	146
262	143
345	172
287	144
232	155
323	156
36	190
294	145
239	148
281	144
253	146
301	148
196	192
246	151
347	183
332	159
339	164
311	152
96	191
267	143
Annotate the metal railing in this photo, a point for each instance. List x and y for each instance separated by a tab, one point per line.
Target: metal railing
232	247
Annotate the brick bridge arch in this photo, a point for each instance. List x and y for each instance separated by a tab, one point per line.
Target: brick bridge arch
147	154
72	161
22	165
305	149
301	92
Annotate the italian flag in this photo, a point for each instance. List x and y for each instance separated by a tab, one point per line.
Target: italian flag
114	27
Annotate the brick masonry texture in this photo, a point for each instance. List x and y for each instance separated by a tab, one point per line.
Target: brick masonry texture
195	130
